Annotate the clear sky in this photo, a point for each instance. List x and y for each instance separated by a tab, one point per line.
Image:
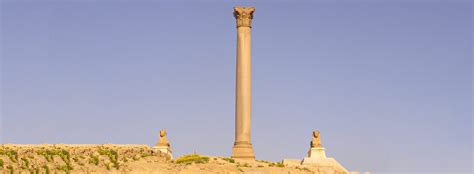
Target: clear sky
388	83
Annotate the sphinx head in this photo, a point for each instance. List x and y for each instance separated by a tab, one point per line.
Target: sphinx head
162	133
316	134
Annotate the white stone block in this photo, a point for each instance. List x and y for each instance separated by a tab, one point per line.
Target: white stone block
164	149
291	162
317	152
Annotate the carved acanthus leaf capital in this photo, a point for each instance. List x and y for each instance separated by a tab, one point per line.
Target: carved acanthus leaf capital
244	16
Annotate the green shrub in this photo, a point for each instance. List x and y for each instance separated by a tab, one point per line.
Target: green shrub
64	154
243	165
112	154
144	155
280	165
66	168
46	169
263	161
34	170
276	165
10	169
13	155
94	160
48	154
26	162
194	158
1	163
230	160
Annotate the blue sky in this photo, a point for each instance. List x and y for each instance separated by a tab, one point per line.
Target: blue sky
388	83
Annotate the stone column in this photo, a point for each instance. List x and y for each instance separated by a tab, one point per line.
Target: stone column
242	147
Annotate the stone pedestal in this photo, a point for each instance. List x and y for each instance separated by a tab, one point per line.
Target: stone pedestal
316	155
325	163
291	162
164	149
317	152
243	151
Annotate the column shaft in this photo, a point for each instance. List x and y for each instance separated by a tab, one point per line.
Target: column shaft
243	101
243	89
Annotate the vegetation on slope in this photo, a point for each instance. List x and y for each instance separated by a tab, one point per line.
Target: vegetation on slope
61	158
193	158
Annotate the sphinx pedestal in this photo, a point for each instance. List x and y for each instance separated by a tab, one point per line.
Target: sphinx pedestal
315	156
164	149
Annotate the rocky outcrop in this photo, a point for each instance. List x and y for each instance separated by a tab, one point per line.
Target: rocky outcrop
80	158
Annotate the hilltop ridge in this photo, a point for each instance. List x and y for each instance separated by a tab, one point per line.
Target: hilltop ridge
128	158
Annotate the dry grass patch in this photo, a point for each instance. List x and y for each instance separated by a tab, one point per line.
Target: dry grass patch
194	158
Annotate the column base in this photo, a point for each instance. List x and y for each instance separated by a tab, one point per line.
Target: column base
243	151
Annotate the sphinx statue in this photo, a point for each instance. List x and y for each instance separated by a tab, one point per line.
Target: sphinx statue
163	141
316	142
163	145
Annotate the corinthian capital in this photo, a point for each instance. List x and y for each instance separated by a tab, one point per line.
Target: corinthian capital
244	16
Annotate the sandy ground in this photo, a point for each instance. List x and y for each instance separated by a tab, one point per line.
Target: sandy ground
134	159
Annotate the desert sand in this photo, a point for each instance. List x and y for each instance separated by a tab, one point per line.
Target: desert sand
113	158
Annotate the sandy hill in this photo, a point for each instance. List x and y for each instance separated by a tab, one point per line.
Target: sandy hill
111	158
